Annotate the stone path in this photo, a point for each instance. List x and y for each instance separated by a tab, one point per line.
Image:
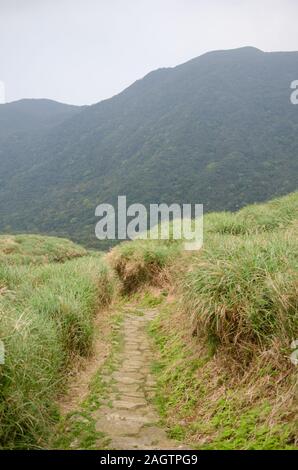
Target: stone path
128	417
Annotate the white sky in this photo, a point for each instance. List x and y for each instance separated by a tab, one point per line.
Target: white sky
82	51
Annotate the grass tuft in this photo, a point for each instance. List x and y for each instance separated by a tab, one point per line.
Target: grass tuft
46	323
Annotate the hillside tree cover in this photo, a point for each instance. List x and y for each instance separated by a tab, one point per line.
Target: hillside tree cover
218	130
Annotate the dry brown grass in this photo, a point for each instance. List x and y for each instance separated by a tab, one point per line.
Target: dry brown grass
139	263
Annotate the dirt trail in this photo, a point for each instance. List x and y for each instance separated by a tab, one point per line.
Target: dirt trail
128	417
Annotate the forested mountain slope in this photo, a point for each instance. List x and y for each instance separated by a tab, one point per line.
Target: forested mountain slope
218	130
30	115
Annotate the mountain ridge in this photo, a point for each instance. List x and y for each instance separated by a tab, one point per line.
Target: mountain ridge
218	129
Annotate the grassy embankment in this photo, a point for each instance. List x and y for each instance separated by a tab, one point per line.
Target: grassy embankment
223	334
50	291
224	373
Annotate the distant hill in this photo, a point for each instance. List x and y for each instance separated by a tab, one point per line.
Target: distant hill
23	125
31	115
218	130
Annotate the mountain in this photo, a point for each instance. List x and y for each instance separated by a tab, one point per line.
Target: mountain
218	130
22	125
29	115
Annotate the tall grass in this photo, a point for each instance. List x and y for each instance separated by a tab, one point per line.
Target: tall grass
36	249
46	322
143	262
257	218
225	379
243	292
240	290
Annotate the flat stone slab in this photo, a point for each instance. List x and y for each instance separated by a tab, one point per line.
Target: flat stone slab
128	379
129	403
118	427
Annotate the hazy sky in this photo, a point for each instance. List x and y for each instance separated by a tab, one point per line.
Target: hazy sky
82	51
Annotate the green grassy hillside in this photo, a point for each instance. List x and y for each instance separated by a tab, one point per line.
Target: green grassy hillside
36	249
224	335
227	316
48	300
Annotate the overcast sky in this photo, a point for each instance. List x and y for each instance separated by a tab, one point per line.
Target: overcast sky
82	51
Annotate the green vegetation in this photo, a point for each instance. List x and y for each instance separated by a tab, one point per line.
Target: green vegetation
241	290
78	430
142	262
36	249
46	323
228	314
224	373
218	130
207	401
258	218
